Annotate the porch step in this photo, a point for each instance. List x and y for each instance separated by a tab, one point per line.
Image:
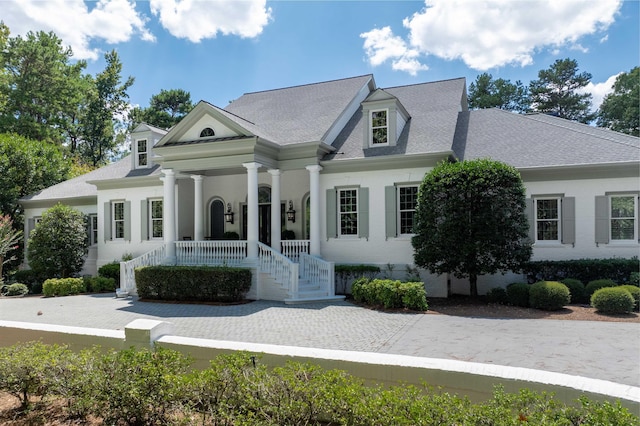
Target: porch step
311	299
308	293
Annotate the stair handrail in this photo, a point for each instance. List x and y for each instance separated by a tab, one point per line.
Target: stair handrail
318	272
280	267
127	268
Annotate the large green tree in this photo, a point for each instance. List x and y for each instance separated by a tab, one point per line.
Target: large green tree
58	244
43	87
165	110
485	92
106	101
471	220
620	110
557	92
26	167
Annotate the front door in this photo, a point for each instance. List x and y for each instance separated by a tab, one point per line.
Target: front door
264	223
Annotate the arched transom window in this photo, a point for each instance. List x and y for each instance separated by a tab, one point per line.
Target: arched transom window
207	132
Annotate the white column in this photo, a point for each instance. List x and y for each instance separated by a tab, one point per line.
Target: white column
169	215
252	209
275	210
314	216
198	208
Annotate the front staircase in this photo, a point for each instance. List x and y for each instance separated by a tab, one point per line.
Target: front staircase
300	278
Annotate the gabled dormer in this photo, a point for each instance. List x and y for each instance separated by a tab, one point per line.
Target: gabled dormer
384	118
143	138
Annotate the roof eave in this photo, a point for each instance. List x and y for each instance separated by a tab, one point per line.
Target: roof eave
581	171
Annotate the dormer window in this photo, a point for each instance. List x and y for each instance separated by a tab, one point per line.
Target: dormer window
379	127
207	132
142	153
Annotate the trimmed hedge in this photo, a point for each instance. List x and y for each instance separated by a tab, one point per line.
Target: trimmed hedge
594	285
15	289
63	286
576	288
390	294
518	294
612	300
32	279
497	295
585	270
99	284
111	270
548	295
346	273
635	293
193	283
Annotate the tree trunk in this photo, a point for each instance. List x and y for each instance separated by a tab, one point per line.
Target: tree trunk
473	285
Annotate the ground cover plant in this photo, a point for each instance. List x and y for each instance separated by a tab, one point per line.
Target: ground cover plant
142	387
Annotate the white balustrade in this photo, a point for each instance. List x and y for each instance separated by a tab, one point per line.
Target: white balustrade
293	248
319	272
280	267
127	269
222	252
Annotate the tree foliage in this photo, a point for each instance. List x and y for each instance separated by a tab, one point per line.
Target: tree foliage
26	167
9	239
486	92
165	110
58	244
108	100
557	91
470	220
42	88
620	110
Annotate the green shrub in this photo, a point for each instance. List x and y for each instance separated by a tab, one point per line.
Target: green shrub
346	273
576	288
612	300
548	295
63	286
189	283
634	278
518	294
390	294
635	293
30	278
230	235
594	285
585	270
110	270
497	295
99	284
15	289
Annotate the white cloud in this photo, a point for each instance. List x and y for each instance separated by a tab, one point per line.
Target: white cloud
492	33
599	91
114	21
381	45
197	20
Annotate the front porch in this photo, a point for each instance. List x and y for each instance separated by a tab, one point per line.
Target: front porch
291	276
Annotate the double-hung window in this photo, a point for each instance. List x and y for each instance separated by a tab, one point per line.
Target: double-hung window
547	223
623	224
155	218
348	211
117	220
379	127
407	201
93	229
142	153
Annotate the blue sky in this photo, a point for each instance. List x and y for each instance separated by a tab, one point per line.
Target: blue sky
218	50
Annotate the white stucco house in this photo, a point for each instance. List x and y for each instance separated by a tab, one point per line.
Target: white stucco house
339	164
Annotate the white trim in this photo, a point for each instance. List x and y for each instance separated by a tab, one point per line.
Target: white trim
557	219
138	153
399	211
115	221
151	219
340	212
633	217
371	126
93	229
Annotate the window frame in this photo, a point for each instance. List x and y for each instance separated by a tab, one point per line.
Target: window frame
399	210
139	153
372	128
115	221
151	219
93	229
633	217
557	219
340	212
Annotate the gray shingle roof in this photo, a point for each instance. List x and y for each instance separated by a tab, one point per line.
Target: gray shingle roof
434	111
80	187
539	140
297	114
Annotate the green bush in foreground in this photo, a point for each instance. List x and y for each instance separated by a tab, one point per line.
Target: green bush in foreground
549	295
612	300
497	295
15	289
635	293
594	285
518	294
99	284
143	387
576	288
110	270
63	286
390	294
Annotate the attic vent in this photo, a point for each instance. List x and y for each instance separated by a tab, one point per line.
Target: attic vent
207	132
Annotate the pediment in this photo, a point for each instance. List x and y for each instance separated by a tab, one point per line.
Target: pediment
205	116
380	95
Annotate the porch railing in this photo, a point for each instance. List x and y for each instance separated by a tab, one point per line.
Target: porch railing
319	272
293	248
127	269
210	252
280	267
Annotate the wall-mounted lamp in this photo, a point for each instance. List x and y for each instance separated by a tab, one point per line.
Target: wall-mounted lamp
228	215
291	213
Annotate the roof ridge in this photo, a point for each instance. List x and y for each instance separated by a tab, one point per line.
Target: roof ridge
423	83
595	134
307	84
229	112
